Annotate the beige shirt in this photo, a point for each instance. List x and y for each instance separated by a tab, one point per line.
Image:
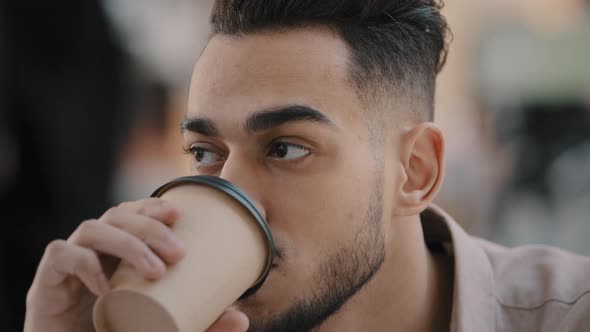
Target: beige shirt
529	288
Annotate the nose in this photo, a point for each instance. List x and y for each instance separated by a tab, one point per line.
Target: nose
246	177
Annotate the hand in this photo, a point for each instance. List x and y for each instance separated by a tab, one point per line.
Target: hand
73	273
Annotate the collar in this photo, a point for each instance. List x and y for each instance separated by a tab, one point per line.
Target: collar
473	294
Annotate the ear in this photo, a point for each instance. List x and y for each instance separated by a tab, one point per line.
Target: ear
422	168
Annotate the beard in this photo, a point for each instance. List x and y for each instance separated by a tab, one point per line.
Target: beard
341	275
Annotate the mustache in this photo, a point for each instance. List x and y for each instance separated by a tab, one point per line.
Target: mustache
282	255
279	253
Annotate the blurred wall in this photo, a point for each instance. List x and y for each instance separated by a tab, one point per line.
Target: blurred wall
513	102
63	111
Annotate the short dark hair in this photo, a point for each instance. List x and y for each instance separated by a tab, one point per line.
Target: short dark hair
394	44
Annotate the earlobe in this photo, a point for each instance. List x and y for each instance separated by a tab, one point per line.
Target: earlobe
422	162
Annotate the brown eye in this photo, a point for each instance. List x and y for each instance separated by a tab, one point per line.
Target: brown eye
205	157
199	154
281	150
286	151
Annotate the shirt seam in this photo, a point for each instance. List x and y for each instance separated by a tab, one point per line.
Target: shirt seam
544	303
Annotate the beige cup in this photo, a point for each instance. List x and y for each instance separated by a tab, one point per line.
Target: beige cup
227	252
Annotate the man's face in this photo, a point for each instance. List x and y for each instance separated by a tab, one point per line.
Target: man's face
274	114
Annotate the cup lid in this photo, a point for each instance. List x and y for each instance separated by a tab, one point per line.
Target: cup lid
239	196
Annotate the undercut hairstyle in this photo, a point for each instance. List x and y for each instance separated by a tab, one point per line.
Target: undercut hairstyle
397	47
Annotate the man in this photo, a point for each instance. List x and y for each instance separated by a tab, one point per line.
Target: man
321	111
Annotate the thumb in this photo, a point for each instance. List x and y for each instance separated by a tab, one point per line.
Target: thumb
232	320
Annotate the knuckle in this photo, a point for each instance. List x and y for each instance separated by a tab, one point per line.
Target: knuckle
86	226
55	247
81	233
142	207
109	216
86	264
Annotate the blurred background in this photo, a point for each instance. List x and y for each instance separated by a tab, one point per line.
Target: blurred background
92	94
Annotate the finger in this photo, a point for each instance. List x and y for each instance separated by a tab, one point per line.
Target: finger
156	208
110	240
155	234
231	321
138	205
165	213
63	259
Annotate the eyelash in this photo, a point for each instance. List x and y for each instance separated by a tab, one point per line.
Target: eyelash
192	150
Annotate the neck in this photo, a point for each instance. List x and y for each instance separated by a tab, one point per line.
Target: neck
412	291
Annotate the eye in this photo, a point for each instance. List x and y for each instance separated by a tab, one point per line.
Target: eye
287	151
204	157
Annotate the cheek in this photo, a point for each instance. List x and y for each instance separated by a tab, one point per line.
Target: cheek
319	215
320	209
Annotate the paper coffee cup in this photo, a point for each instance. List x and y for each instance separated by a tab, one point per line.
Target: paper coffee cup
229	251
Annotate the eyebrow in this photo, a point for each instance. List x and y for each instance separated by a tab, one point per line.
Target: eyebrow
262	120
275	117
200	125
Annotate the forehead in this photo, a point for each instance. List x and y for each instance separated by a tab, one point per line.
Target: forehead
238	75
